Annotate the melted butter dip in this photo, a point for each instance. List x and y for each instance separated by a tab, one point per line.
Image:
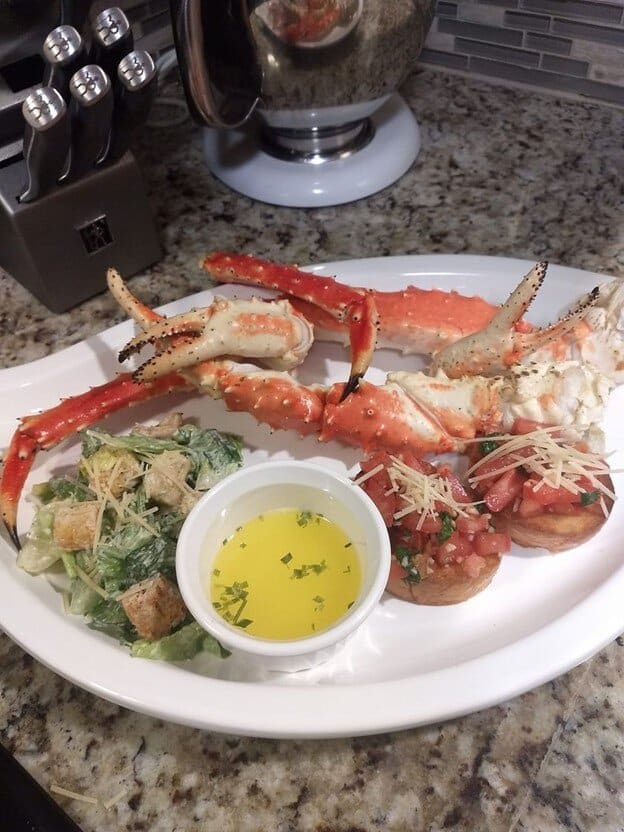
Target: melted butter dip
285	574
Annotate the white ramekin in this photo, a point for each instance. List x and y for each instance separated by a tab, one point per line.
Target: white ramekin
257	490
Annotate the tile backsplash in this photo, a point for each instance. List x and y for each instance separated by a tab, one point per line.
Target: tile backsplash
574	47
570	47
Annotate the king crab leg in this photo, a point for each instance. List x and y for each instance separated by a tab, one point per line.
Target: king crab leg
354	308
412	320
273	398
429	321
411	411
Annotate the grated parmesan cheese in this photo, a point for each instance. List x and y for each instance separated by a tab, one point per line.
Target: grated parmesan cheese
369	474
555	462
422	492
86	579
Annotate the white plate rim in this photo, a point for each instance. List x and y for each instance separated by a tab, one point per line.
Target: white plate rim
271	710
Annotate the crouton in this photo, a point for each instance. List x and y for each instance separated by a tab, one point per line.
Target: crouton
154	606
165	480
74	524
161	430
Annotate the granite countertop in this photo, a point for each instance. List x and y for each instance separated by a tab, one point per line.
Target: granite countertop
501	172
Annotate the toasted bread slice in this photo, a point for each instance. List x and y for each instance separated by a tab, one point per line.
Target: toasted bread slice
447	584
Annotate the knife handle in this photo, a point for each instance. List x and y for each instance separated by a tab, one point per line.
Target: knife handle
112	39
24	805
46	141
91	112
64	53
134	96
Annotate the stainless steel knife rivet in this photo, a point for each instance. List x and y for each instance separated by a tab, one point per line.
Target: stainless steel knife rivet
62	44
43	107
111	25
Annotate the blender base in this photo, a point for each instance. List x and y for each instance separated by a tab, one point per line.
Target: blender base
235	157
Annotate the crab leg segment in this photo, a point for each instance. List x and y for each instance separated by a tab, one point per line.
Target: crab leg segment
47	429
413	321
497	346
354	307
272	398
413	411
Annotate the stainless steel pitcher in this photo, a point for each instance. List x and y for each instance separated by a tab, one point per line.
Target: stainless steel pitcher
313	72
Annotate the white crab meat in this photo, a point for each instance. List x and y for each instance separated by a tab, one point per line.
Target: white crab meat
561	393
599	339
568	393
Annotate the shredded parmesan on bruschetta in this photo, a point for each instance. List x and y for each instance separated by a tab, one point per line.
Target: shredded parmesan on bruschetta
424	492
553	461
367	476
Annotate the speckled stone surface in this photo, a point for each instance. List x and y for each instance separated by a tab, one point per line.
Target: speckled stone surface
501	172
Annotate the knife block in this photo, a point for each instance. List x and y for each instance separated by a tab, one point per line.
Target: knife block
60	246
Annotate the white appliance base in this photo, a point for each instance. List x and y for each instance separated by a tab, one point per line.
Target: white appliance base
235	158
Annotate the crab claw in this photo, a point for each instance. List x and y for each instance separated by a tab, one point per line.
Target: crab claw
354	307
47	429
272	332
499	345
361	318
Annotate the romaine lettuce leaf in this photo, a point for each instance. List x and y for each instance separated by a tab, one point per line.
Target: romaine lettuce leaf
62	488
82	598
214	454
40	552
133	554
108	616
179	646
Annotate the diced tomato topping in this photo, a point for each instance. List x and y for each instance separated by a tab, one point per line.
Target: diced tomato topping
376	489
414	541
456	548
378	485
522	426
506	488
470	540
491	467
397	572
546	494
473	524
491	543
373	461
430	525
457	488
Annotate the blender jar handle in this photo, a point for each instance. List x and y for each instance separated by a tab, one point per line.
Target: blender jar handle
218	61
